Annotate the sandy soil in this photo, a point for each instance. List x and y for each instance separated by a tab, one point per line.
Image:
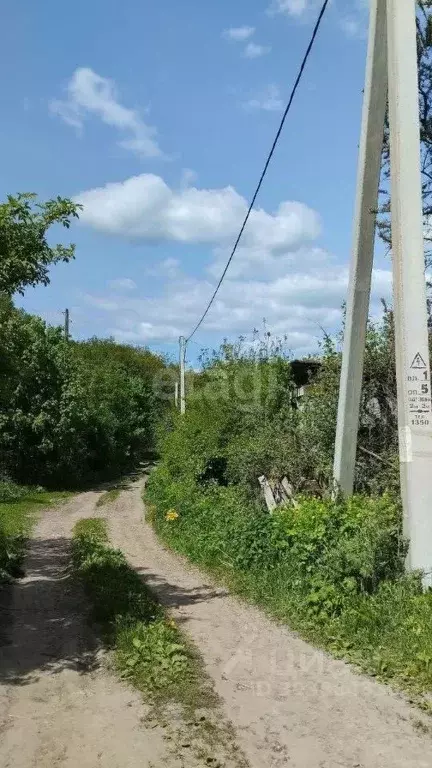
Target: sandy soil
290	704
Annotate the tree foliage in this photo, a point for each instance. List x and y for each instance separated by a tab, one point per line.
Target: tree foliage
25	254
69	412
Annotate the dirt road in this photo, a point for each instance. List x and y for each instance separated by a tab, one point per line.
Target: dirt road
290	704
59	706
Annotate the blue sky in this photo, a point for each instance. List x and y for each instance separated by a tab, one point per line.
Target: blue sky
157	116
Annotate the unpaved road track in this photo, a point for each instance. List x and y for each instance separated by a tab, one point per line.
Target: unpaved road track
59	706
290	704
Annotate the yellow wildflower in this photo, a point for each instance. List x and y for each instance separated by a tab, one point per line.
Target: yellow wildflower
171	515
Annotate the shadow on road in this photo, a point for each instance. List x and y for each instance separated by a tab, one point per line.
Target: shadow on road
44	618
173	596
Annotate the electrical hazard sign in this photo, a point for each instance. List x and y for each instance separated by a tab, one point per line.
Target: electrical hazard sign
419	393
418	362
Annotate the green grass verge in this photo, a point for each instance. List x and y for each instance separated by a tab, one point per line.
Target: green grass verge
332	573
108	497
19	508
149	649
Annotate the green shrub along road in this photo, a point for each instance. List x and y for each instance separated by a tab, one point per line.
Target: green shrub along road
72	411
333	570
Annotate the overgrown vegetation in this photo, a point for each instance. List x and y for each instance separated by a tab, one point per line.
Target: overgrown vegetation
72	411
332	569
18	512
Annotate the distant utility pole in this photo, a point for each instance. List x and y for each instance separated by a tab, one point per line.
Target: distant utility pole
66	324
176	394
182	344
398	27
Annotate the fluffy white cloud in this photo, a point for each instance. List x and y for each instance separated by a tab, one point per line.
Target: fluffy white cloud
269	100
290	7
239	34
254	51
297	305
145	207
278	273
90	94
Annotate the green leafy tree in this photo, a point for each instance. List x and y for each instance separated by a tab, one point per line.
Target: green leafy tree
25	255
70	412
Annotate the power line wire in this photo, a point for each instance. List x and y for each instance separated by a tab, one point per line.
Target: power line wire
275	142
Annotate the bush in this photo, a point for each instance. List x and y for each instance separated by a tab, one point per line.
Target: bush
71	411
11	492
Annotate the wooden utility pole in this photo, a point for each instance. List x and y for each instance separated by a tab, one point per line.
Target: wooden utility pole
392	22
182	345
66	324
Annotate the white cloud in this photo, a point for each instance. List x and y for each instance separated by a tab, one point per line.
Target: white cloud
122	284
254	51
269	100
279	272
239	34
297	305
90	94
145	207
290	7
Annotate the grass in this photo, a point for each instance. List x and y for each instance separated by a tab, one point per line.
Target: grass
304	576
151	651
19	508
108	497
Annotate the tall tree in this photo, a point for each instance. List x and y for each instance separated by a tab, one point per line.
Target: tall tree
25	255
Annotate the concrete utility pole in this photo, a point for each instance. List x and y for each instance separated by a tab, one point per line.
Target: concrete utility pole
182	344
392	21
368	175
66	324
409	288
176	394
